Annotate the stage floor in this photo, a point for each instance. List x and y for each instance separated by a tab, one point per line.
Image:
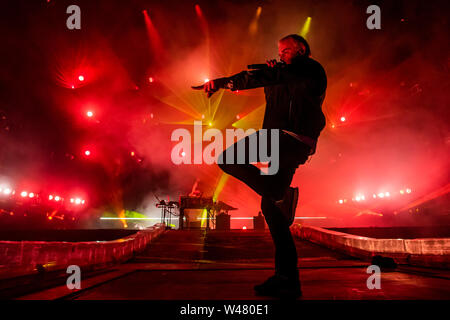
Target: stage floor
225	265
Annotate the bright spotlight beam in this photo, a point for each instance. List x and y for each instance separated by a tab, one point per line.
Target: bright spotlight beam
153	34
306	27
253	28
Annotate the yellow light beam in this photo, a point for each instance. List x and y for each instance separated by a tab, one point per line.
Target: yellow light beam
186	122
179	96
122	215
220	185
251	120
204	217
306	27
253	27
217	103
187	110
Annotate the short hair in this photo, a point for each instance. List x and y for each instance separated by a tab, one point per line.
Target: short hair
299	39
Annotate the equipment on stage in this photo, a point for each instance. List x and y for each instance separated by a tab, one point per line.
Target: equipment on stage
167	210
258	222
223	221
208	208
195	212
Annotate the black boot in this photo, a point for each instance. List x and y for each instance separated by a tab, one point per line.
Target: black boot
279	286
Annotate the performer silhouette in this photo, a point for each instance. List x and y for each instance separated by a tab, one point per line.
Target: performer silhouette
294	92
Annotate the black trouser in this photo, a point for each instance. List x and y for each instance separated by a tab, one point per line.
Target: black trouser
292	153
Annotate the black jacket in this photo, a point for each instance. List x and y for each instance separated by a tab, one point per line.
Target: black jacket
294	95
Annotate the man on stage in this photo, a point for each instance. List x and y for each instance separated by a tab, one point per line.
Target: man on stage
294	91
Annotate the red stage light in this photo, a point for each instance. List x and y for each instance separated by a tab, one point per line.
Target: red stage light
50	197
90	114
87	153
132	153
81	78
343	119
57	198
73	87
31	195
244	228
150	79
24	194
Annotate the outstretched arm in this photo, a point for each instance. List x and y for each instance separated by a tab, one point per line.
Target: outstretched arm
274	74
213	85
260	78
